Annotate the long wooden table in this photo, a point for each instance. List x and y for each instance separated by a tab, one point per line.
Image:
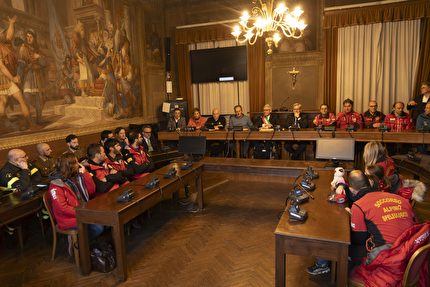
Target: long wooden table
404	136
105	210
14	207
325	234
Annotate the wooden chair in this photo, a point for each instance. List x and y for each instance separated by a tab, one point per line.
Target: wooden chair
74	233
411	275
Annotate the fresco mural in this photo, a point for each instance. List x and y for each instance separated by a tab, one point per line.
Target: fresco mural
62	74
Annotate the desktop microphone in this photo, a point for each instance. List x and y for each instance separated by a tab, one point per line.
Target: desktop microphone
283	109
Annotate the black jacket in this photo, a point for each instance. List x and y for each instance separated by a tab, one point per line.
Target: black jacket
274	120
154	144
302	121
12	177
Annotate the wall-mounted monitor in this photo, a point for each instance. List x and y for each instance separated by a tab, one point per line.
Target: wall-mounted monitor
219	64
335	150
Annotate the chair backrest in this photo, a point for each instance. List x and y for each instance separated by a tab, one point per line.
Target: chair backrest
412	272
47	200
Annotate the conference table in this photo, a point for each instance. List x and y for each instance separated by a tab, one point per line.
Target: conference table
14	207
105	210
309	134
325	234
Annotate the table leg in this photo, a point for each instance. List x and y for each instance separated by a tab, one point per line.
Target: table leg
280	263
118	238
84	248
20	239
238	149
342	266
199	184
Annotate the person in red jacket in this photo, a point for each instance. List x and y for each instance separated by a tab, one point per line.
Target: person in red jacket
71	185
115	159
348	116
374	153
324	118
141	162
372	118
104	175
398	120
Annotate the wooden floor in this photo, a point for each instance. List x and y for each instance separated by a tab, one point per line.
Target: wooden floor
230	243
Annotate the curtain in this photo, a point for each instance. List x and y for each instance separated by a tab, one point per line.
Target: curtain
377	62
184	75
330	68
423	71
221	95
256	75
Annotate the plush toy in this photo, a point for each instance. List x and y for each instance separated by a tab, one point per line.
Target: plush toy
338	177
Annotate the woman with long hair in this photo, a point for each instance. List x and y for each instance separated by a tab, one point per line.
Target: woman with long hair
374	153
71	185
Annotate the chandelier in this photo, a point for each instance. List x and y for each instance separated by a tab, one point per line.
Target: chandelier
266	22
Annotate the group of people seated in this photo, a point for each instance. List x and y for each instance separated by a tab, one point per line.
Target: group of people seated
379	202
75	176
396	120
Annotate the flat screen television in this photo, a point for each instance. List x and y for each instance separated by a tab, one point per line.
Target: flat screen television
335	150
219	64
192	145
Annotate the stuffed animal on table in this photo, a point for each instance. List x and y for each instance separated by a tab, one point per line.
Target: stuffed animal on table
339	172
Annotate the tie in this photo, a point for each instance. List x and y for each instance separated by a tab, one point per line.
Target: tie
150	148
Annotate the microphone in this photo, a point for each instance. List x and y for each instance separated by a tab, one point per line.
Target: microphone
283	109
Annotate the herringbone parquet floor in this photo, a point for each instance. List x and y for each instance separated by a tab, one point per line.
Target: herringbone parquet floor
230	243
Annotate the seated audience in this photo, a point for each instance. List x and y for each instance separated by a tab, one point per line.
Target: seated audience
121	136
149	142
217	123
398	120
423	120
239	119
419	102
374	153
196	121
372	118
44	162
73	146
135	155
301	121
267	121
105	135
115	158
105	177
17	174
71	185
369	215
348	117
325	118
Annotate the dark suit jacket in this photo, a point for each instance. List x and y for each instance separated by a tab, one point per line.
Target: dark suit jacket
153	141
181	123
274	120
303	121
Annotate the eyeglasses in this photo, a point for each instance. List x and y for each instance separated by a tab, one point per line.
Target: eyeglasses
23	156
266	110
146	132
374	106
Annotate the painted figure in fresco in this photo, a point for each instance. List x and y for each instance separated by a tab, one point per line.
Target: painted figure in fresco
126	77
67	91
135	92
154	44
83	76
33	68
9	79
124	44
110	93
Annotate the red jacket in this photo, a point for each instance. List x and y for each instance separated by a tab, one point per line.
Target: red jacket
64	200
343	120
388	267
404	122
103	171
326	121
388	164
139	156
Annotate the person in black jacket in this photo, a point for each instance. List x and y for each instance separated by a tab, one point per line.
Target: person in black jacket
267	121
299	120
419	102
136	156
215	122
149	142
